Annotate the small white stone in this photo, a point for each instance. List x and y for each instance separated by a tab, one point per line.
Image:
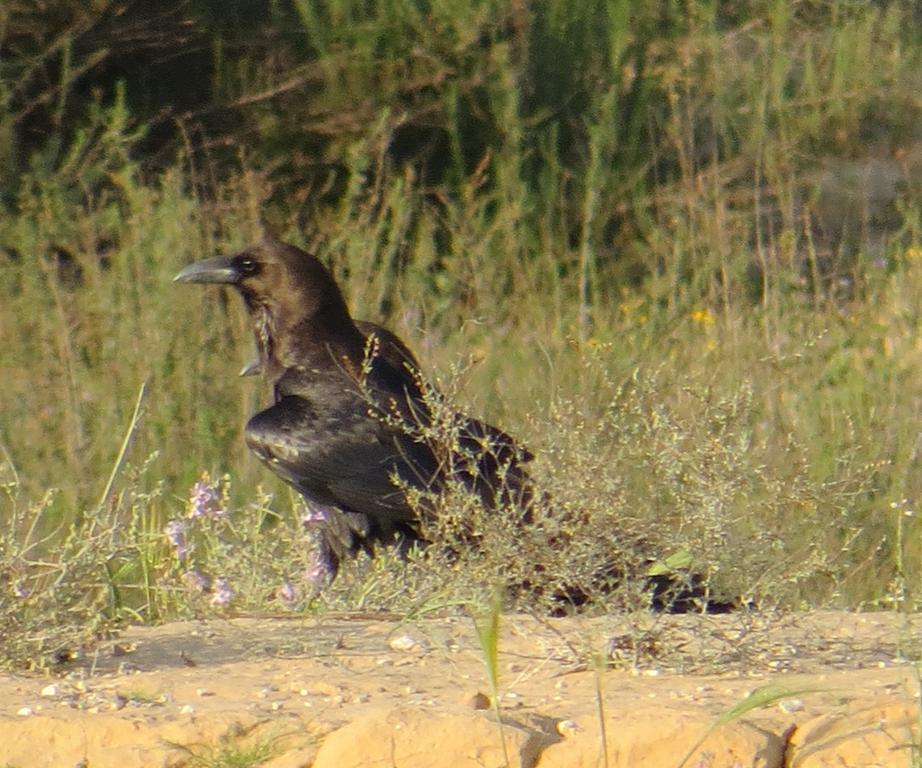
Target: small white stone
186	709
49	690
568	728
25	711
403	643
791	705
276	706
203	692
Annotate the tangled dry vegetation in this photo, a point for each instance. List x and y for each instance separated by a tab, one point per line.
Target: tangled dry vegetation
631	498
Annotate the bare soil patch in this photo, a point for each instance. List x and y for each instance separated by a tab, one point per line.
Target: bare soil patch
183	692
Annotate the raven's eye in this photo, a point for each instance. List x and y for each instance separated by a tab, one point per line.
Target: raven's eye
248	266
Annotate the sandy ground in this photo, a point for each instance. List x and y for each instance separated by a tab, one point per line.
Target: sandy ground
185	693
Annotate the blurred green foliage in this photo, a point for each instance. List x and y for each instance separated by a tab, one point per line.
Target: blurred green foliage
718	198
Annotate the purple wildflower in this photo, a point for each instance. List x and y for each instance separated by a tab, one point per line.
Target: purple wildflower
316	573
205	499
20	590
287	593
197	580
175	531
320	571
223	592
314	514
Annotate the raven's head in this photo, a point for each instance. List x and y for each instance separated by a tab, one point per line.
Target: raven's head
274	275
289	293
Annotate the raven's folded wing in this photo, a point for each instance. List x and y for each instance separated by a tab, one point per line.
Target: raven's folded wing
341	457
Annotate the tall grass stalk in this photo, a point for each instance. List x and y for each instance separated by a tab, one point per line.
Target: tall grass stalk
487	628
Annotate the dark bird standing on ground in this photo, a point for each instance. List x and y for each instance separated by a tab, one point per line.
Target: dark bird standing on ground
351	423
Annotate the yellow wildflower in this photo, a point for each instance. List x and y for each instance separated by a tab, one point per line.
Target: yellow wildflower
703	316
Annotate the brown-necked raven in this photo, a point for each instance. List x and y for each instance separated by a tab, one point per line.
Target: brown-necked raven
351	425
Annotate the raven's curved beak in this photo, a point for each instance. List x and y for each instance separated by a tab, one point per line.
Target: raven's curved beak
217	269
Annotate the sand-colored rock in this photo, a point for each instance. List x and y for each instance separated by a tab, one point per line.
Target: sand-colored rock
109	740
411	738
885	735
295	758
654	737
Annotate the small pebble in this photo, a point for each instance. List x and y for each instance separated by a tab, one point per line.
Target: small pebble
791	705
276	706
25	711
49	690
322	688
203	692
403	643
186	709
477	700
568	728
